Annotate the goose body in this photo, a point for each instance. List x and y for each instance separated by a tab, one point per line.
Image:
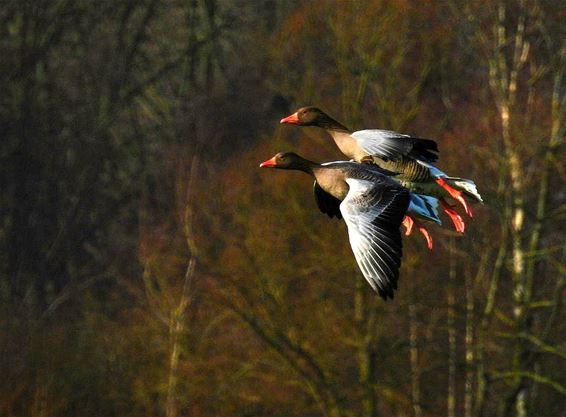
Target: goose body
408	158
421	206
389	150
373	207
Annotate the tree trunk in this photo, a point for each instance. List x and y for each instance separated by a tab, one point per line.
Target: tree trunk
365	319
469	345
451	300
414	357
176	328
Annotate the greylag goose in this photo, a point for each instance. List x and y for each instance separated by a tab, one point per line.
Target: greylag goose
421	207
373	207
409	158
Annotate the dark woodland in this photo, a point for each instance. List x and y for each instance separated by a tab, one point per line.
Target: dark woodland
150	268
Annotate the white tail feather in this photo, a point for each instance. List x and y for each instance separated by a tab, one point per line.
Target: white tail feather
462	184
465	185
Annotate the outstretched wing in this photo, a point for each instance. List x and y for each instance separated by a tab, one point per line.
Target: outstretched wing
393	146
373	212
327	203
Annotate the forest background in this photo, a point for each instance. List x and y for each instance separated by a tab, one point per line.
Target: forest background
149	268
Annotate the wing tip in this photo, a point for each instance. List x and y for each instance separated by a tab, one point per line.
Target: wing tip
425	148
386	294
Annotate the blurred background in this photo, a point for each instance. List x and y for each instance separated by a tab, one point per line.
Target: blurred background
150	268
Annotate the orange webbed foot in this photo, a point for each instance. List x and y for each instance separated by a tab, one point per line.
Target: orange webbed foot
408	223
427	236
459	224
455	194
368	160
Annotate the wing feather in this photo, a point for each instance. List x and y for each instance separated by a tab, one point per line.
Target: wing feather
373	211
390	145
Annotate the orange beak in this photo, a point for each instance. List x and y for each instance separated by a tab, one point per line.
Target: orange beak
292	119
270	163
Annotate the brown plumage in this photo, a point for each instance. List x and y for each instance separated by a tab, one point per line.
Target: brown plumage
373	207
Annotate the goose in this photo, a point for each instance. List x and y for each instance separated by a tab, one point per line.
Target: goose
410	158
421	207
373	207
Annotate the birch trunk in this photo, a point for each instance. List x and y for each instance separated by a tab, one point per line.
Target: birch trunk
503	79
365	319
414	358
178	315
469	346
451	299
558	106
176	328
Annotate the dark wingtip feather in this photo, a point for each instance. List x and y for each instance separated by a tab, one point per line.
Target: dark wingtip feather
425	148
388	291
386	294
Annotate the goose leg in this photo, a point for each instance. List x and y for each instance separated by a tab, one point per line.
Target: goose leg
459	224
457	195
426	235
367	160
409	222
